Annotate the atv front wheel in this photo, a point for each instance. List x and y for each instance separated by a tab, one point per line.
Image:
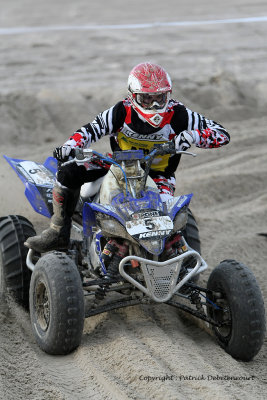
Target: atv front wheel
14	274
56	304
240	309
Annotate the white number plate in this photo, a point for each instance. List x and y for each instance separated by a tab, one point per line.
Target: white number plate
150	227
37	173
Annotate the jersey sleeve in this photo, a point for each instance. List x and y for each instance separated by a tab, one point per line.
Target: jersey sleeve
105	123
206	132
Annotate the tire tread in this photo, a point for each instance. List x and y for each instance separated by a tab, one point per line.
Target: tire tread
14	230
64	284
248	294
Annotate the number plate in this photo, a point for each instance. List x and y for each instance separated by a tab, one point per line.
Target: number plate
147	228
36	173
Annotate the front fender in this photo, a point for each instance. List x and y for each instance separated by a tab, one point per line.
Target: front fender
89	216
178	204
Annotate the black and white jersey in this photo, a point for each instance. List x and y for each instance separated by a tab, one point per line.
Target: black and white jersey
129	131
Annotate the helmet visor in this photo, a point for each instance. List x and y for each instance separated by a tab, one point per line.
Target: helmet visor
150	101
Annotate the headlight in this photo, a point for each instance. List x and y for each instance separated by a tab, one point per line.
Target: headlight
180	219
111	227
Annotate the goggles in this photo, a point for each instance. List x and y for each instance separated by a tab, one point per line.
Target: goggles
150	101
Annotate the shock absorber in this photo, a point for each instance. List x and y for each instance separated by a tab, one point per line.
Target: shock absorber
108	252
121	251
172	245
107	255
112	254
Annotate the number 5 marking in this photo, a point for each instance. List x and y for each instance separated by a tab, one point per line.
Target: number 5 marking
149	224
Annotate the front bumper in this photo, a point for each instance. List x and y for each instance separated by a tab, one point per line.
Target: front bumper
161	277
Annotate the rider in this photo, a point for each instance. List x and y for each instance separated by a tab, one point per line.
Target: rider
147	116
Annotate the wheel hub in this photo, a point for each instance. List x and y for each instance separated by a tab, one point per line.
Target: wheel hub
42	305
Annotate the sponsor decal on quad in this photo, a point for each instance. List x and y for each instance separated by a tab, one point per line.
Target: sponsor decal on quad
153	234
180	201
146	214
49	195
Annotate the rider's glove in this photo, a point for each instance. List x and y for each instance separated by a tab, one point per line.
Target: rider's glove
62	153
184	141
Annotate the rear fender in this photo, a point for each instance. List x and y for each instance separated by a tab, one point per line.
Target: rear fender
38	180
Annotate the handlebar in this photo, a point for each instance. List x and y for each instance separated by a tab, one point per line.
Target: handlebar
165	148
82	156
85	155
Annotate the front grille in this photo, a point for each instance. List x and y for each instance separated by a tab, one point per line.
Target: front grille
160	280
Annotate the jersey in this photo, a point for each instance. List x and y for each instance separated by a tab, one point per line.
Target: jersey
128	130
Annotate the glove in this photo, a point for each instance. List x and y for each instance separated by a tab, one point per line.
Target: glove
184	141
62	153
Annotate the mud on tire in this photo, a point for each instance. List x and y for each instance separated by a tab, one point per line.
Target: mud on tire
56	304
14	274
241	303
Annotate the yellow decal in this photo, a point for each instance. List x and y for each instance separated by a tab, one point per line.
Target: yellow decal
128	143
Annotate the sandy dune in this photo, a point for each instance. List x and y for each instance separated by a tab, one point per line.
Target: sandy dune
54	81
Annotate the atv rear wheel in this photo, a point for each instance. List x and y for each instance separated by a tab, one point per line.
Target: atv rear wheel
15	275
56	304
241	309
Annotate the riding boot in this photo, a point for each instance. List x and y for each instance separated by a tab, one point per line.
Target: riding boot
57	236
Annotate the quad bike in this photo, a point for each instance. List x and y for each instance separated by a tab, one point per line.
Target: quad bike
127	248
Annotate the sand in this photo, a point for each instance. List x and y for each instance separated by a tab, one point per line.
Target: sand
52	82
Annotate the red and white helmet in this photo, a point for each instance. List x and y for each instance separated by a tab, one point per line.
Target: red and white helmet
149	89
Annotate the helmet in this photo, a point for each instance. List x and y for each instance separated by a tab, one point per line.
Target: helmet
149	88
